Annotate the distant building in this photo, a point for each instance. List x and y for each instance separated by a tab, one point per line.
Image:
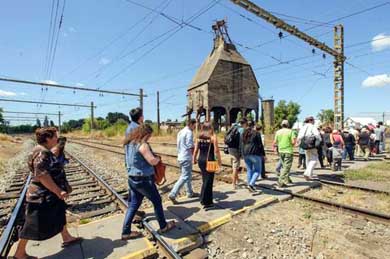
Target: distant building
352	122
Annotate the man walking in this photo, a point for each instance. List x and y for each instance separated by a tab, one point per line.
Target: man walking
285	140
234	143
185	149
309	131
137	118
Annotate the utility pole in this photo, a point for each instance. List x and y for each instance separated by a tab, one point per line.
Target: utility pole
141	98
59	122
92	116
339	77
337	52
158	113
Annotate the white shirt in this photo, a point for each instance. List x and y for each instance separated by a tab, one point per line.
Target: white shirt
308	130
185	144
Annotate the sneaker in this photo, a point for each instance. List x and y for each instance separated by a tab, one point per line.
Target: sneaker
193	195
251	188
173	199
209	206
307	178
281	185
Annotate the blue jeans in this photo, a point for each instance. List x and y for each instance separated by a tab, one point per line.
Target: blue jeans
141	187
253	168
348	151
184	179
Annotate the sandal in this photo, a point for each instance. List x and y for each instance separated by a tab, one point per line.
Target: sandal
76	240
170	225
132	235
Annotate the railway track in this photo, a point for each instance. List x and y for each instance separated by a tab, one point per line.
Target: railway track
363	212
92	197
9	198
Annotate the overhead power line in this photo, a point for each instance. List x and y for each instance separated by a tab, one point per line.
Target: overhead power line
66	87
47	103
34	113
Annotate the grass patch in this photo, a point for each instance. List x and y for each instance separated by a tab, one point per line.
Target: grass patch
376	172
84	221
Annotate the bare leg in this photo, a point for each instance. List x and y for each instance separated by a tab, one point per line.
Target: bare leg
235	178
66	236
21	249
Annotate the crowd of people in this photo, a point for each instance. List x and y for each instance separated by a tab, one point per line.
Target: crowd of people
45	211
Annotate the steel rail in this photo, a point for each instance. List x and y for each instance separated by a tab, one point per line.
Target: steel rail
360	211
123	205
119	199
352	186
8	236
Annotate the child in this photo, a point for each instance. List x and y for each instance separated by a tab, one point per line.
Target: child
337	155
302	158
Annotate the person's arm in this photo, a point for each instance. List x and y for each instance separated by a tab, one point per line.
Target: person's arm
41	165
216	150
195	154
48	182
148	155
275	142
189	141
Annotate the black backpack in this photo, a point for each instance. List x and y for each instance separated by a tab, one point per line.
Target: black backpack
232	137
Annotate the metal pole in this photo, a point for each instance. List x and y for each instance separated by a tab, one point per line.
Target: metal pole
158	112
141	98
59	122
92	117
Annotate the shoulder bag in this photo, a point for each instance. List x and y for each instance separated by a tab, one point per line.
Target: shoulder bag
211	166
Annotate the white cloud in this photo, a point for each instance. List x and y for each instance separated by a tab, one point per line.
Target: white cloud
104	61
79	84
380	42
376	81
50	82
22	93
72	29
6	93
65	34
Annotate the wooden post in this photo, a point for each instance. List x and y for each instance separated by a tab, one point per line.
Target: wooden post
59	122
141	98
158	113
92	116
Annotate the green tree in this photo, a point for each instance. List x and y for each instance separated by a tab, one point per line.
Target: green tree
38	123
286	111
239	117
250	116
326	116
46	122
52	123
113	117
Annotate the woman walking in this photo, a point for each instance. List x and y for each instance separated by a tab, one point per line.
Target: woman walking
253	152
206	147
45	210
141	160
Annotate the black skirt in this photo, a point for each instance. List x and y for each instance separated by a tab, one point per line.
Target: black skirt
44	220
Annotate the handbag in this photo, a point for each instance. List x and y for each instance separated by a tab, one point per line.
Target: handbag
159	173
211	166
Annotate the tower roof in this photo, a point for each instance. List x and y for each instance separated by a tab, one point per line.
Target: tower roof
221	51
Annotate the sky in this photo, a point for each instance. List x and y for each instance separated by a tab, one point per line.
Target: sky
120	45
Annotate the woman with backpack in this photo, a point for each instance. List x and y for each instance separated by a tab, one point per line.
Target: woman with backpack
141	180
253	152
206	149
